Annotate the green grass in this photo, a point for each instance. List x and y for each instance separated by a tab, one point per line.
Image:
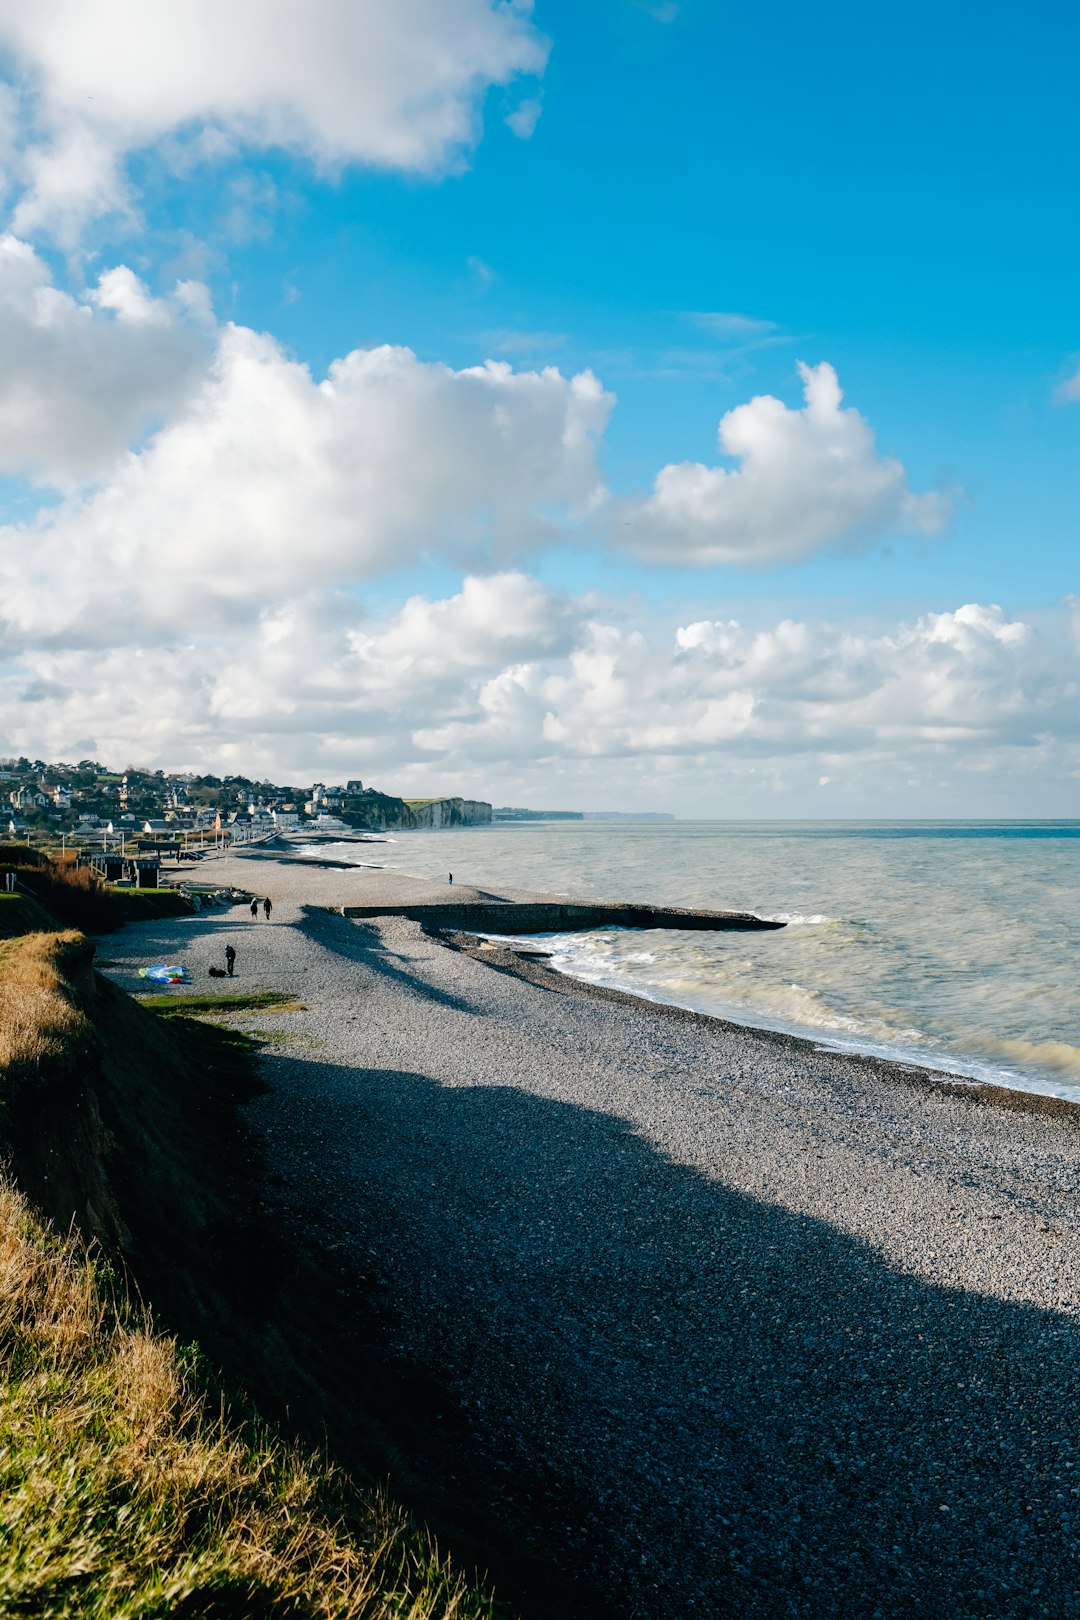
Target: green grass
230	1054
268	1001
145	905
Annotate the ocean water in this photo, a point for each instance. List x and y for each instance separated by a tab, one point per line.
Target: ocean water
955	945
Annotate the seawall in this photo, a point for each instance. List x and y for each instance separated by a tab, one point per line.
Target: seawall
555	917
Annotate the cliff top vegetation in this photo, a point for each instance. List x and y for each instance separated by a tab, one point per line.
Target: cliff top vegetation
126	1493
132	1486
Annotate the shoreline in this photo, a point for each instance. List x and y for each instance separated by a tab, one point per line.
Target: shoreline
909	1064
524	965
399	893
704	1317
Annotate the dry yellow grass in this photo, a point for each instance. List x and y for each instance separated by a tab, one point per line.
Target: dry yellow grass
127	1492
42	1031
124	1493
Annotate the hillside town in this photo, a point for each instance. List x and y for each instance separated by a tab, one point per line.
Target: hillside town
86	802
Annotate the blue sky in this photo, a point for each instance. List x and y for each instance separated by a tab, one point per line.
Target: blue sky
692	200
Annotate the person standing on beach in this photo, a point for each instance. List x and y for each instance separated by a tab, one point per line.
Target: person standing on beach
230	960
255	908
450	879
267	908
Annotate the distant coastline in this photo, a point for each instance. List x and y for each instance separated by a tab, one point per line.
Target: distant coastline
507	814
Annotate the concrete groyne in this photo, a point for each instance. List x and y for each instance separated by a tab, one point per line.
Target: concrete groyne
558	917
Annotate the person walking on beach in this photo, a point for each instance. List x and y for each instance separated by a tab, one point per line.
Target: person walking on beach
230	960
255	908
450	879
267	908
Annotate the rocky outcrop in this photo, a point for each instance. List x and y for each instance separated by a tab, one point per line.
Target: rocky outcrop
370	811
451	813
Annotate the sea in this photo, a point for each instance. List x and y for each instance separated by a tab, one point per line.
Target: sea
954	945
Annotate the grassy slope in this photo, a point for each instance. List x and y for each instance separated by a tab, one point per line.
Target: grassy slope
125	1490
125	1493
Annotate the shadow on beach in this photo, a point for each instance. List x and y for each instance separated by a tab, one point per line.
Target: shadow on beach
629	1389
363	944
692	1401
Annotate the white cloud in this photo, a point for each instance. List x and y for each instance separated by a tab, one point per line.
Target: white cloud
729	326
969	675
491	620
807	478
506	682
523	120
952	695
341	81
504	341
1068	392
267	482
81	377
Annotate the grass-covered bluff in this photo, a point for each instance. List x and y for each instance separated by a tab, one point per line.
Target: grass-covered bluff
126	1492
131	1483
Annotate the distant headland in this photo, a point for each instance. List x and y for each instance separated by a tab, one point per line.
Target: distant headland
510	813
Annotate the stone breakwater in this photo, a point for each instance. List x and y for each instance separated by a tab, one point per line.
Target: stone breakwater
497	916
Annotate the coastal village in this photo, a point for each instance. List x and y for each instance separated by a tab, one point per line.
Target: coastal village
86	803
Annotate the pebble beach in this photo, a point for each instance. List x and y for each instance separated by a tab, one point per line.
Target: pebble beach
728	1323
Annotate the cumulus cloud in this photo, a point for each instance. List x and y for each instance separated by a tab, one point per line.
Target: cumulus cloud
265	481
807	478
506	683
971	676
268	482
83	376
310	667
490	621
398	86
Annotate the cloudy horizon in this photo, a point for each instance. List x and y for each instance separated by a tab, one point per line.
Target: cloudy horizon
380	399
